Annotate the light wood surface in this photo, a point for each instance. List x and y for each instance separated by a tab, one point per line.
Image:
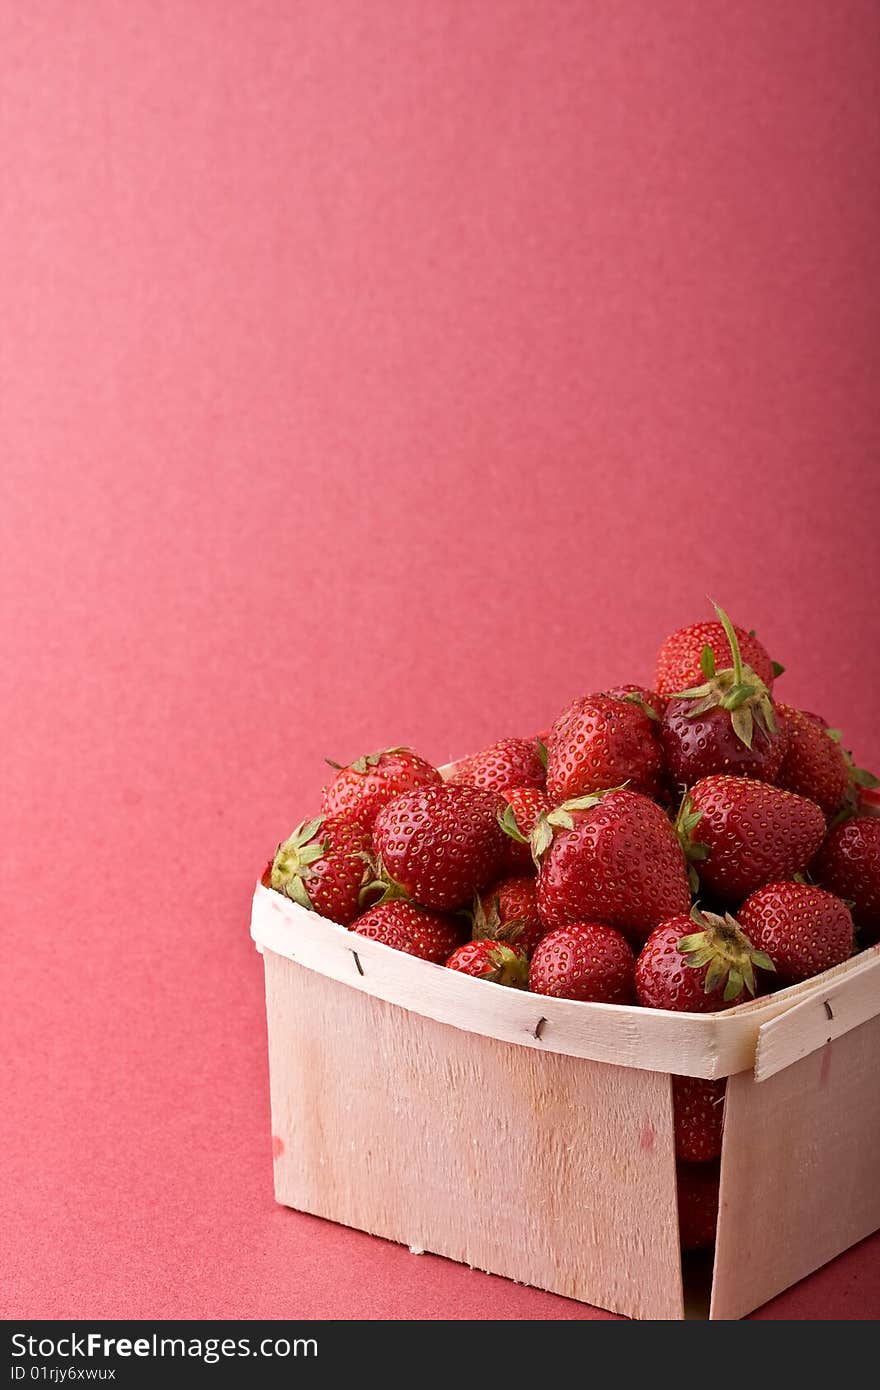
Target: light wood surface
552	1170
708	1045
799	1173
841	1004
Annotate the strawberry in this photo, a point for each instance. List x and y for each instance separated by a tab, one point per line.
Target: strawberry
803	928
440	845
861	796
586	961
698	1188
601	741
741	834
380	925
511	762
434	935
698	1114
868	801
428	935
848	864
323	865
814	764
680	658
610	857
502	962
359	791
524	806
649	700
725	724
697	964
511	902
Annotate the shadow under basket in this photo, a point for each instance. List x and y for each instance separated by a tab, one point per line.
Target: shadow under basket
532	1137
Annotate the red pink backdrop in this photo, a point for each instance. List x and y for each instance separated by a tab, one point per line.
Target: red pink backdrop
376	373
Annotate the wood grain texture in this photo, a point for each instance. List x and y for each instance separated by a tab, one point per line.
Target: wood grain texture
551	1170
827	1013
708	1045
799	1174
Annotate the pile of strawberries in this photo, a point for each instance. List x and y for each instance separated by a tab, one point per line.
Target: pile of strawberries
681	848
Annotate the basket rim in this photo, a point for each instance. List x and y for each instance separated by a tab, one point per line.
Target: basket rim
710	1045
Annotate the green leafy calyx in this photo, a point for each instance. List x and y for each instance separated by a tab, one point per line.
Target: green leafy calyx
508	822
294	857
736	689
561	818
509	967
721	947
632	697
379	887
694	850
370	760
487	925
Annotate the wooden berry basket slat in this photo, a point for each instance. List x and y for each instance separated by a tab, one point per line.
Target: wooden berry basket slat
532	1137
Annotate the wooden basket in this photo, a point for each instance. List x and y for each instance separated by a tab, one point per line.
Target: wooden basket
532	1137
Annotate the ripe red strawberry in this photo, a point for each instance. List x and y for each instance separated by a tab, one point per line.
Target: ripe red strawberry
640	695
428	935
698	1115
502	962
511	762
698	1189
380	925
803	928
524	806
323	866
359	791
440	845
434	936
679	660
585	961
814	764
600	741
741	834
611	857
697	964
725	724
512	901
848	864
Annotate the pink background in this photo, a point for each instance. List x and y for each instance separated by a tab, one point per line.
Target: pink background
376	373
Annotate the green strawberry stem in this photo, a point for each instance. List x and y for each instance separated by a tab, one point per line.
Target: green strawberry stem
730	631
737	689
